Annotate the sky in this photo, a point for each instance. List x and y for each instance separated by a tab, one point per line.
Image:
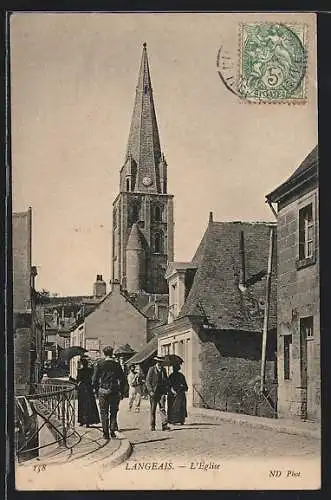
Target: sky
73	79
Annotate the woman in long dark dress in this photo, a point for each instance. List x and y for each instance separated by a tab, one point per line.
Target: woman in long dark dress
88	413
177	398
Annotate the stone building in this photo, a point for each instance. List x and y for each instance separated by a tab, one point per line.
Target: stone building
143	240
142	237
216	315
61	314
28	329
116	320
298	342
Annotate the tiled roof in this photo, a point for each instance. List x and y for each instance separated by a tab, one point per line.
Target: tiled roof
145	303
215	295
310	161
309	165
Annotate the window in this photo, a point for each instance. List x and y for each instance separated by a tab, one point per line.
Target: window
165	349
135	212
181	351
157	213
158	243
306	327
306	232
128	184
287	356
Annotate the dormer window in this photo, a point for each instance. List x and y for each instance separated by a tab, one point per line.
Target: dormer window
180	278
145	89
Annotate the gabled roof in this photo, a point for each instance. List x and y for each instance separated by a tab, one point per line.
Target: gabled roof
215	295
306	171
145	302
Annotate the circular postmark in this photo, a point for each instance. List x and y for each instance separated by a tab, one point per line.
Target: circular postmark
270	64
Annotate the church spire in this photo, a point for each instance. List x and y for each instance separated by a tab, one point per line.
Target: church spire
144	142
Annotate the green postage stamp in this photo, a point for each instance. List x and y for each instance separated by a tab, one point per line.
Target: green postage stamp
273	62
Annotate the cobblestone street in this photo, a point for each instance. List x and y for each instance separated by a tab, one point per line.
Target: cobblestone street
203	454
200	438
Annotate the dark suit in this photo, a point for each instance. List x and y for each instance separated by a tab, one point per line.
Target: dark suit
157	385
109	381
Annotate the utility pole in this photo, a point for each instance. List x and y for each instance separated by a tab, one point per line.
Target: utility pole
266	311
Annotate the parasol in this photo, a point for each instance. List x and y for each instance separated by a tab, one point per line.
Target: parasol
71	352
172	359
124	350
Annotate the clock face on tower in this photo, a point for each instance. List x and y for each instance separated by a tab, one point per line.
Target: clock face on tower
147	181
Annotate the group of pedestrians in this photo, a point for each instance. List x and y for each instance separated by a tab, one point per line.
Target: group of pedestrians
109	383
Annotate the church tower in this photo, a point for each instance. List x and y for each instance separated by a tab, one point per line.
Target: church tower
143	228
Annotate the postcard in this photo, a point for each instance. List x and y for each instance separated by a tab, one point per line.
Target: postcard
165	251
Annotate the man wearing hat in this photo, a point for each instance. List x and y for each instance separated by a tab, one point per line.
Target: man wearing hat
157	386
108	381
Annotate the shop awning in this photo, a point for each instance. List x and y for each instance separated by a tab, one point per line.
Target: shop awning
147	352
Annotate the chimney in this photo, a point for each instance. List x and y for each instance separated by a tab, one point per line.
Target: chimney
210	216
156	310
242	273
99	287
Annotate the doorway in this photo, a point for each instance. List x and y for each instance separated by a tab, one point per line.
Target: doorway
306	332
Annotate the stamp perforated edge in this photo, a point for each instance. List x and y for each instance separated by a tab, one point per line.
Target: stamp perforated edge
291	102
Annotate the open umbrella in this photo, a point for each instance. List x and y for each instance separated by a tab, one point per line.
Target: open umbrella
172	359
124	350
71	352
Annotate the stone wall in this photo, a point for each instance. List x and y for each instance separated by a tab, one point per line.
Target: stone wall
297	297
22	300
229	365
22	344
21	261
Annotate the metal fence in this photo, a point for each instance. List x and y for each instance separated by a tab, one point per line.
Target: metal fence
55	404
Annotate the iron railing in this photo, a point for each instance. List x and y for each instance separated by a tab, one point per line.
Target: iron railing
55	403
247	400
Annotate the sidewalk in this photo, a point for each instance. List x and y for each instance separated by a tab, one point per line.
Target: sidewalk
92	463
86	447
299	428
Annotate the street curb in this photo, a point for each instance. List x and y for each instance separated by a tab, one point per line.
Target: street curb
120	455
221	416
